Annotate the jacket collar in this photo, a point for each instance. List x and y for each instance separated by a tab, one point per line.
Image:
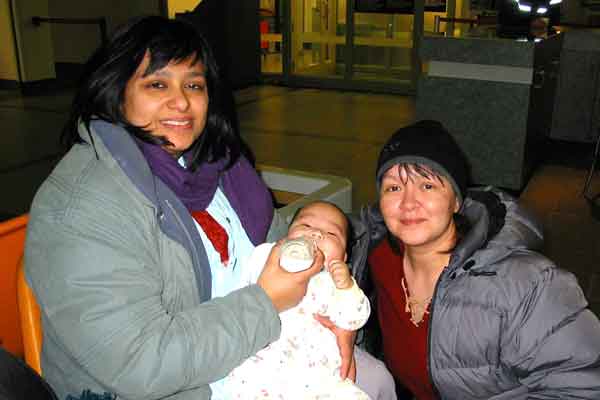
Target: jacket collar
118	149
118	145
520	231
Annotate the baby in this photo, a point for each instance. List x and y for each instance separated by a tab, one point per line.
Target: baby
305	362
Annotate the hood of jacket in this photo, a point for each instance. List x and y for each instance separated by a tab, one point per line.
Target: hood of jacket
498	227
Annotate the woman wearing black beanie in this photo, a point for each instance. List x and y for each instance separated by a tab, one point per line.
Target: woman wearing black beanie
464	308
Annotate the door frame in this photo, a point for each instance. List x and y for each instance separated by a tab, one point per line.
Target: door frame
347	81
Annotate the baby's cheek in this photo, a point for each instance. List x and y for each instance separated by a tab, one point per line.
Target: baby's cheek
295	234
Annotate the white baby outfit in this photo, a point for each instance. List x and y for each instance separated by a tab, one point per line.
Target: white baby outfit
305	362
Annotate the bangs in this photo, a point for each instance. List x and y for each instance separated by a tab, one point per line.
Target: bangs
175	46
164	41
412	170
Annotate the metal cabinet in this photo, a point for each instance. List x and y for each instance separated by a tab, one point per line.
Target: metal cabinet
544	86
576	104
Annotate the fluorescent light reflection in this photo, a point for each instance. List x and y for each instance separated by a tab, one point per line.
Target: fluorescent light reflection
524	8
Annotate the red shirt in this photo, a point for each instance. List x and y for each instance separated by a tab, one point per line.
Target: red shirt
404	344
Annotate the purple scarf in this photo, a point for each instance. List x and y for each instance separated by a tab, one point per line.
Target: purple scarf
245	190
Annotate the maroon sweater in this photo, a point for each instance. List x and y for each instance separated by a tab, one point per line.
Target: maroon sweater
404	344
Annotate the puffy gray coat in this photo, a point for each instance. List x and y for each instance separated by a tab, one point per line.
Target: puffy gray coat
123	281
505	322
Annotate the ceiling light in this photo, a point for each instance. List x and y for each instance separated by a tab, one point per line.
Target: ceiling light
524	8
542	10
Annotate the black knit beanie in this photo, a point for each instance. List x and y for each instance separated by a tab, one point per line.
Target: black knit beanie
426	143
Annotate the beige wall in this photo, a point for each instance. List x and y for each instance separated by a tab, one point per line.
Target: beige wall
8	56
75	43
177	6
34	43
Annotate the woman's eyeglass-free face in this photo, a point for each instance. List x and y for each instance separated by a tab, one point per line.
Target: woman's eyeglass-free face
171	102
417	210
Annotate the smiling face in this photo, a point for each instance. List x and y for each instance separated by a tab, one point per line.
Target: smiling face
326	225
171	102
418	210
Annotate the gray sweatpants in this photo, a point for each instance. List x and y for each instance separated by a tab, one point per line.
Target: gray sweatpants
373	377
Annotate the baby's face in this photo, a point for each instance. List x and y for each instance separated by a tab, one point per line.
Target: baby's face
326	225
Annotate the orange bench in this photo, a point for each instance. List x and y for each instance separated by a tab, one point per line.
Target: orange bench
12	243
31	323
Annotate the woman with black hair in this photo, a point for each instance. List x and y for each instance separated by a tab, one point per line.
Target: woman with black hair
135	240
464	309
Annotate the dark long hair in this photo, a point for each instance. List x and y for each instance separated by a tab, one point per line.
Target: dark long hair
101	91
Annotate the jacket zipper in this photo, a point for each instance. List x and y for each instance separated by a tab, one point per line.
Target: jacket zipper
432	304
195	256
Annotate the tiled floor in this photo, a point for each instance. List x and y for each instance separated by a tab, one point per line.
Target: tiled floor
572	235
331	132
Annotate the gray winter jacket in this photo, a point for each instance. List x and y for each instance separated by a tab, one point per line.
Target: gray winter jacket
505	322
123	282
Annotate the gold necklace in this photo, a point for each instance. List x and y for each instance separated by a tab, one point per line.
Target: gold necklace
416	308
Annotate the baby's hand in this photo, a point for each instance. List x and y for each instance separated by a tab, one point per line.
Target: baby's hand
340	273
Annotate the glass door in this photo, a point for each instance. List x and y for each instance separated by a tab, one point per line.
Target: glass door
337	44
383	47
270	26
318	38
